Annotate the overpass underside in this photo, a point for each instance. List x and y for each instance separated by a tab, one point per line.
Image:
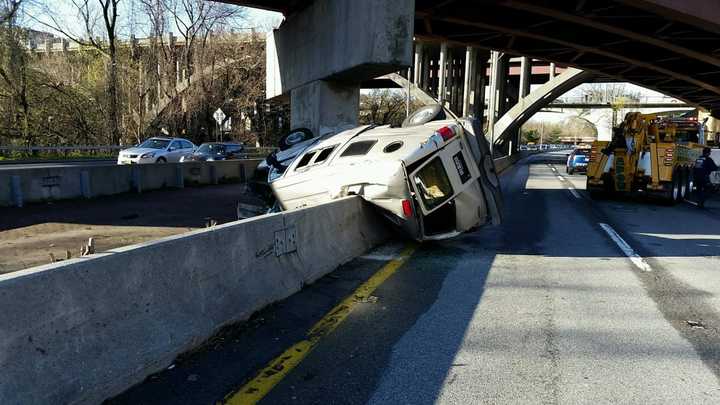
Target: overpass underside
465	48
659	48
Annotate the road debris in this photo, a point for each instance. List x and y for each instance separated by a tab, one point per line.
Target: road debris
695	324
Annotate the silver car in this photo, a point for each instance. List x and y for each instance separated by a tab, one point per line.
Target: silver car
156	150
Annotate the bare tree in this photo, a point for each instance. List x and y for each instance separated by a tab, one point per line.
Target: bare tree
195	20
617	95
103	13
14	70
384	106
8	10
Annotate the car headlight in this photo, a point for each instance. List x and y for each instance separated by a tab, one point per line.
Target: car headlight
147	155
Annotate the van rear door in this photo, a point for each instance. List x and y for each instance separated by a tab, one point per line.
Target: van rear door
438	181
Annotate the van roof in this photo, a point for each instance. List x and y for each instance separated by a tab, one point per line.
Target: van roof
411	138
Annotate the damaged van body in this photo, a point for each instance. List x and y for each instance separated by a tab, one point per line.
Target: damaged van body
432	179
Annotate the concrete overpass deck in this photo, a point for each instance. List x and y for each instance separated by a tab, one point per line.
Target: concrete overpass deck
544	308
666	45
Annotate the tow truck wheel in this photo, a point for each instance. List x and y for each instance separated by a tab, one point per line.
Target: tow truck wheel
675	194
690	181
683	183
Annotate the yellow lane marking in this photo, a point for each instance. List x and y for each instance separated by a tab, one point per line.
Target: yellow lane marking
277	369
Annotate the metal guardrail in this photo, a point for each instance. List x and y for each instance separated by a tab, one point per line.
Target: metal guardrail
251	152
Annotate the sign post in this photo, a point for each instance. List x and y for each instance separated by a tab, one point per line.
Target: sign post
219	116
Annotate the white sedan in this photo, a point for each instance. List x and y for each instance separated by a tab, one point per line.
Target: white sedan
156	150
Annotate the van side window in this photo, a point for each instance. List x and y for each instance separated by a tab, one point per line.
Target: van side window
305	159
358	148
324	154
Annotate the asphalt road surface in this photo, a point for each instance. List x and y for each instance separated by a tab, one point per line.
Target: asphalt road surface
568	301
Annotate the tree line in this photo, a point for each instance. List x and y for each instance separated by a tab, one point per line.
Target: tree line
123	70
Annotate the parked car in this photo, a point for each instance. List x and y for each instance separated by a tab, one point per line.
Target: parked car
211	151
577	161
433	178
156	150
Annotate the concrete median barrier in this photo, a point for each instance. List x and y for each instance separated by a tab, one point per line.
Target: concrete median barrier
86	329
503	163
21	186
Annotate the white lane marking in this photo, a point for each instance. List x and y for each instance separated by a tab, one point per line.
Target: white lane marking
570	187
685	236
635	258
574	192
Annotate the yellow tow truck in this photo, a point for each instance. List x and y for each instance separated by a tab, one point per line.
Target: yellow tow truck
649	155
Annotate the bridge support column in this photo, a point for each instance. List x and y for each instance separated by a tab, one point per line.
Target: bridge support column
442	73
324	106
418	68
525	76
524	90
478	108
321	54
470	78
496	100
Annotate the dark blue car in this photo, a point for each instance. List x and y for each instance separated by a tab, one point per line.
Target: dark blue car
577	161
213	151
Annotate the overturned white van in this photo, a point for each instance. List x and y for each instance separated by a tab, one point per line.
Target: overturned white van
432	178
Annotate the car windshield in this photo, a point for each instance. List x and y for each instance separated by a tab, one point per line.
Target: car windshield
155	143
211	149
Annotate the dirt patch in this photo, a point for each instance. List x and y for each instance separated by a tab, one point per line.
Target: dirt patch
28	236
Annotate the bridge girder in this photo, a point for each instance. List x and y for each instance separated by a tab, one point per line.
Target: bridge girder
667	45
606	37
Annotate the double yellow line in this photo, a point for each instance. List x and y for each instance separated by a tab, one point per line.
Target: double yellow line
278	368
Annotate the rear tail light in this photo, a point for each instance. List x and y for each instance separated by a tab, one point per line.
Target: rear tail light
447	133
407	208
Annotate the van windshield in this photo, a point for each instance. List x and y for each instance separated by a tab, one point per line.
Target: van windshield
433	184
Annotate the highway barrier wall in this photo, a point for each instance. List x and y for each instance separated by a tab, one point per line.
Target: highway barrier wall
503	163
83	330
20	186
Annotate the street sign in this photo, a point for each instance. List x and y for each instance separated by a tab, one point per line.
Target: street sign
219	116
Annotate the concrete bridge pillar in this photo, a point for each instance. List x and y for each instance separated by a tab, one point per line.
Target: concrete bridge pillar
497	97
321	54
324	106
442	73
525	76
419	67
471	76
523	90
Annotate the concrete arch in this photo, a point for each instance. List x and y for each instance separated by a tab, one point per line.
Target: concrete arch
509	124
